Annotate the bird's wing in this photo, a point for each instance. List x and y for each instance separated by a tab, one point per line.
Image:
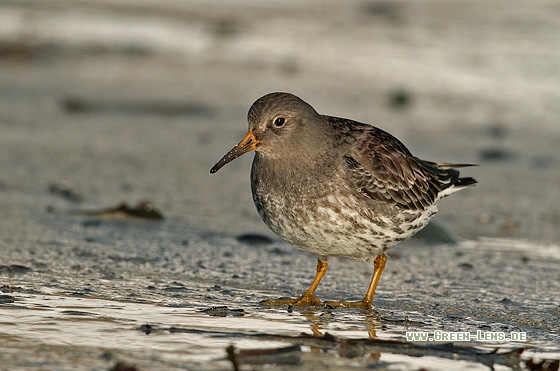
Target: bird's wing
382	168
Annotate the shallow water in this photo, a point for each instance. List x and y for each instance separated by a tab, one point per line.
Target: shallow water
98	332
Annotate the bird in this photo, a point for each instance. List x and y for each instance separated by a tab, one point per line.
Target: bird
335	187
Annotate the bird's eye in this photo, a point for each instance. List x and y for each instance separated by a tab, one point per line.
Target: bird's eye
279	122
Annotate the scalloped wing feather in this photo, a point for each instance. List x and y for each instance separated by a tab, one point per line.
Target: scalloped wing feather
383	169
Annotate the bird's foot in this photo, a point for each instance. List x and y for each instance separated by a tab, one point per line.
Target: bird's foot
306	300
365	304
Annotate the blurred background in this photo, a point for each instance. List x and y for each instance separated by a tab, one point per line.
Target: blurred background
126	100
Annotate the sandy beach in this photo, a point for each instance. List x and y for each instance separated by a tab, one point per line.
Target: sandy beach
111	102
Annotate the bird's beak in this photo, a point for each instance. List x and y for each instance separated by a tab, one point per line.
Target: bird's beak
247	144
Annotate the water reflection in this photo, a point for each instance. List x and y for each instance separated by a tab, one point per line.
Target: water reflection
319	321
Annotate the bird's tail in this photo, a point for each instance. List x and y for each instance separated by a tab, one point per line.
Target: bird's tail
447	175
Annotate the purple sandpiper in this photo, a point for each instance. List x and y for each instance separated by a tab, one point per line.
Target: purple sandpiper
336	187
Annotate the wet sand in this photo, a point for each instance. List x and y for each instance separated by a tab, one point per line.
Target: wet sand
89	120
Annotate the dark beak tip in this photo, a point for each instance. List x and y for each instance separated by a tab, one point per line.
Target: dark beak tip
214	169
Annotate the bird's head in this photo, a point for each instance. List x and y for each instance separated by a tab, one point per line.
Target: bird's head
280	124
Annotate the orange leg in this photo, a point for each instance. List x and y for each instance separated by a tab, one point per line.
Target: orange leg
308	298
378	267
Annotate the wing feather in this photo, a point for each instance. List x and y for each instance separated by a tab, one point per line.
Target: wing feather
382	168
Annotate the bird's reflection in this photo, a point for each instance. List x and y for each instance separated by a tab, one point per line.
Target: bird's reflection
319	319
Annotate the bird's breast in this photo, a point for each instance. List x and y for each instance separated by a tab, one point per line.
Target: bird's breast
325	217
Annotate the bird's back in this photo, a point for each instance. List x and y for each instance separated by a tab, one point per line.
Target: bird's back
382	168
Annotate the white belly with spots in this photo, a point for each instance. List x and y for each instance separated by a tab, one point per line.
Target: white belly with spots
335	226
